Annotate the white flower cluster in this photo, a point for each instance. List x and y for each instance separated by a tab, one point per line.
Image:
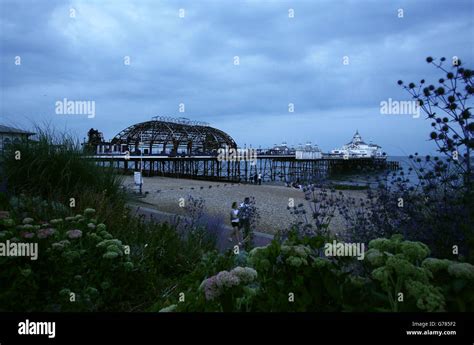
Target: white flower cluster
245	274
296	255
216	285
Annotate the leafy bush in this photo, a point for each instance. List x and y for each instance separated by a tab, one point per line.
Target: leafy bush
294	275
190	284
79	254
76	255
397	271
455	279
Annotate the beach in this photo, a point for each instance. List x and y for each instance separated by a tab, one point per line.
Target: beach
164	194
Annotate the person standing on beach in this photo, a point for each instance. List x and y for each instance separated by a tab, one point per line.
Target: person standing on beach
234	221
244	219
259	178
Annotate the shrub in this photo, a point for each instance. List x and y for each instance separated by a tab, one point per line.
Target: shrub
322	203
80	254
455	279
189	284
397	271
77	269
295	276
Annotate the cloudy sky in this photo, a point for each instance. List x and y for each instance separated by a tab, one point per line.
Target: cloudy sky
335	61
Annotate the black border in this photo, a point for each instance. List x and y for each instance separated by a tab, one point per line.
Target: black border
238	328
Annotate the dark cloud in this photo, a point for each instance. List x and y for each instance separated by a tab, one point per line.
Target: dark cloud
190	60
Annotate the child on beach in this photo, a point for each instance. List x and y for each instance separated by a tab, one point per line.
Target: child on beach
234	221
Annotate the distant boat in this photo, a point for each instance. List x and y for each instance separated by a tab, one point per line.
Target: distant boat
357	148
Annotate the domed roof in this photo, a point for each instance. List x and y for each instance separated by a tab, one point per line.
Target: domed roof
356	139
174	134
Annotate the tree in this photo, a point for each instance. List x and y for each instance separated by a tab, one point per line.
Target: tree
449	106
94	138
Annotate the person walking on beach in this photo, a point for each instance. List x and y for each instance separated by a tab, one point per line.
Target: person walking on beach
234	221
259	179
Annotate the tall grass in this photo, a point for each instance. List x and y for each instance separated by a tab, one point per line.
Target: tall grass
55	168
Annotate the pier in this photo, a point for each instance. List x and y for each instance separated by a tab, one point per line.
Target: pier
179	147
272	167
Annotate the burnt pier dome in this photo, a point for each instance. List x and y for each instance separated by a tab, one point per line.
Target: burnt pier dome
167	135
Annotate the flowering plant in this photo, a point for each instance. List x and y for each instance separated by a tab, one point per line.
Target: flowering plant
82	265
226	285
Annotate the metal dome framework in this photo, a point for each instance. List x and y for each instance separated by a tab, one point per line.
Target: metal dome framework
164	135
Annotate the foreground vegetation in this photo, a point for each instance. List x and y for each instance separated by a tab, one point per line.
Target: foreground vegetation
84	266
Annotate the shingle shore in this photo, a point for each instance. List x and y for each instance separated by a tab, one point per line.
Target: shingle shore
164	194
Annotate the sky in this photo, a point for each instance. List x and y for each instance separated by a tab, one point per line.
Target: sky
240	65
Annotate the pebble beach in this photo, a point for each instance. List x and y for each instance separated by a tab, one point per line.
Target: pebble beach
164	194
